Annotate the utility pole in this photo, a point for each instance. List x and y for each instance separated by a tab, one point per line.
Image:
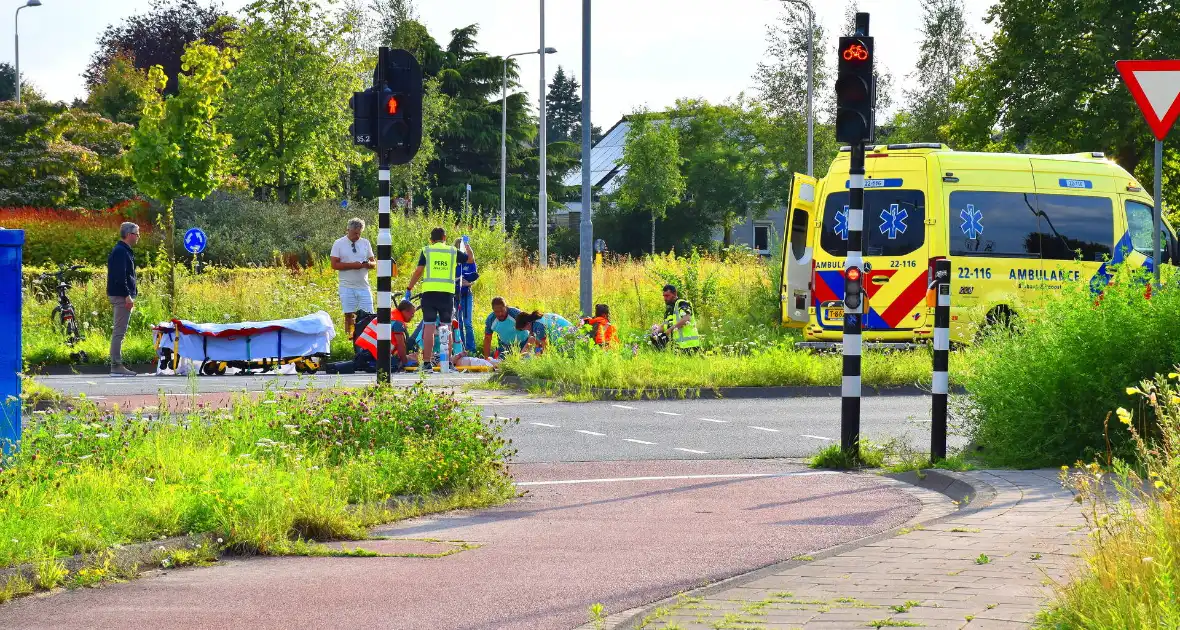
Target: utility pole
586	226
543	201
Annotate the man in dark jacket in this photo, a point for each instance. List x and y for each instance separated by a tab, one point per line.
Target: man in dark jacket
121	291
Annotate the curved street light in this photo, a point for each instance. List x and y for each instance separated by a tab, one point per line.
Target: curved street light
16	36
504	130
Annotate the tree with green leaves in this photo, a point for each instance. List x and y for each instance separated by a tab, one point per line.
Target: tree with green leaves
781	80
287	106
1049	85
942	57
178	150
116	96
653	181
563	103
729	171
159	37
52	156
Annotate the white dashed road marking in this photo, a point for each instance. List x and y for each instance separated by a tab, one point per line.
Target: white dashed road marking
622	407
816	437
590	432
717	421
638	441
763	429
668	413
691	450
542	424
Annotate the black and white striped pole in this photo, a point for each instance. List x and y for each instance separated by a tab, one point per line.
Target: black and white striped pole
940	384
384	272
853	306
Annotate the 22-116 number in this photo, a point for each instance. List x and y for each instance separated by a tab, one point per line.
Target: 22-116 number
976	273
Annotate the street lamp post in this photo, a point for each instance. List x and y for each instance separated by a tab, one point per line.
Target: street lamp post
810	83
543	197
16	37
504	132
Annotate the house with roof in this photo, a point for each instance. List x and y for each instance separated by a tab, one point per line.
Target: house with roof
606	173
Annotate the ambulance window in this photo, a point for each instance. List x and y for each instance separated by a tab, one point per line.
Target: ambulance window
994	224
1073	226
798	233
1139	225
894	220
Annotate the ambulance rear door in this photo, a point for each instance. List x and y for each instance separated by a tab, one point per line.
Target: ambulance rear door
797	252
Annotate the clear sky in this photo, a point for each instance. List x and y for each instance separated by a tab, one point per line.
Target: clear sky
645	52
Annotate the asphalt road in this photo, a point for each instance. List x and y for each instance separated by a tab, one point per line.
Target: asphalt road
705	429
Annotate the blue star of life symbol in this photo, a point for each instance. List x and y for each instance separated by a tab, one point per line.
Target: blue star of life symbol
842	223
893	221
972	222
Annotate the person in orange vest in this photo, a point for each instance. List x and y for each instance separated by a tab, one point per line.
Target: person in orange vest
399	320
599	327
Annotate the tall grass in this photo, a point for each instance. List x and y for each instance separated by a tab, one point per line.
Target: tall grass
741	315
1039	393
260	475
1131	576
647	370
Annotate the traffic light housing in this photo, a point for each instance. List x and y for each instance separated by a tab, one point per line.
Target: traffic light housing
364	118
853	288
399	105
855	90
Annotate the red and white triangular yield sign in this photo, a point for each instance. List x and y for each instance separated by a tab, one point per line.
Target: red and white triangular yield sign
1155	84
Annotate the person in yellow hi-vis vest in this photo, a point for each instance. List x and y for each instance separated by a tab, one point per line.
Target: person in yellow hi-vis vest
680	323
436	269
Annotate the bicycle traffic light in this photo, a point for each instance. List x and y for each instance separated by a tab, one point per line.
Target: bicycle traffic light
399	110
855	90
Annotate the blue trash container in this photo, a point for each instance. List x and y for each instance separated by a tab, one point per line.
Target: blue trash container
11	244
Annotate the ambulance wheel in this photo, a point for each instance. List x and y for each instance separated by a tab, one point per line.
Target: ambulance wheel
1001	317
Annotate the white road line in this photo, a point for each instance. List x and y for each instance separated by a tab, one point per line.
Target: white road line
717	421
493	417
638	441
691	450
668	413
808	473
542	424
762	428
816	437
623	407
589	432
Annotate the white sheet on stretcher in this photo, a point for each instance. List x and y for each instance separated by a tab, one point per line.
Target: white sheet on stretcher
301	336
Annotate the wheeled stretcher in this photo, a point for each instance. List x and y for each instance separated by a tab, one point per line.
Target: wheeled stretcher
301	342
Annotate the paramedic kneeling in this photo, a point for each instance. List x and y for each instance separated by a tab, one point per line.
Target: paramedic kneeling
399	321
680	324
436	269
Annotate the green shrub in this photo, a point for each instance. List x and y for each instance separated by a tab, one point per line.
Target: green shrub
62	237
1040	393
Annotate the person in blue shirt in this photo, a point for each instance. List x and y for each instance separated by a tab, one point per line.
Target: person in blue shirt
465	275
502	323
541	327
456	342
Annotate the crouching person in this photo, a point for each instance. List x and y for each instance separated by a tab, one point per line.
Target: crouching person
366	342
680	325
599	328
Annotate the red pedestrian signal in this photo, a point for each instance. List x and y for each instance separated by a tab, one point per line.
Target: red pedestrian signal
391	105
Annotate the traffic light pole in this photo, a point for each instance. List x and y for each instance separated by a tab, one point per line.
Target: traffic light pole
384	272
940	383
853	306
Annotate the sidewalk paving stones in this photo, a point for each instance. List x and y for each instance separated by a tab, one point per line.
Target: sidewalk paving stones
986	567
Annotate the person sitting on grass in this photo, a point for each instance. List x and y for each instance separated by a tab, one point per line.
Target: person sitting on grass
599	328
541	327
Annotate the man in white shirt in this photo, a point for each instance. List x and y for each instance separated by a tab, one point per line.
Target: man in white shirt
353	257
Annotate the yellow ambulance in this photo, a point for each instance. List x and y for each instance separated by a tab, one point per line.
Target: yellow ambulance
1014	226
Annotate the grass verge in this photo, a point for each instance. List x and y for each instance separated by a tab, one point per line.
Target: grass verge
263	476
648	371
1131	574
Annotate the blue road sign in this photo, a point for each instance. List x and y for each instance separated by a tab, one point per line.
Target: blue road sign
195	240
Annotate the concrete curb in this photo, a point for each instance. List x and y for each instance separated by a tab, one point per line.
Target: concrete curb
718	393
134	558
971	494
